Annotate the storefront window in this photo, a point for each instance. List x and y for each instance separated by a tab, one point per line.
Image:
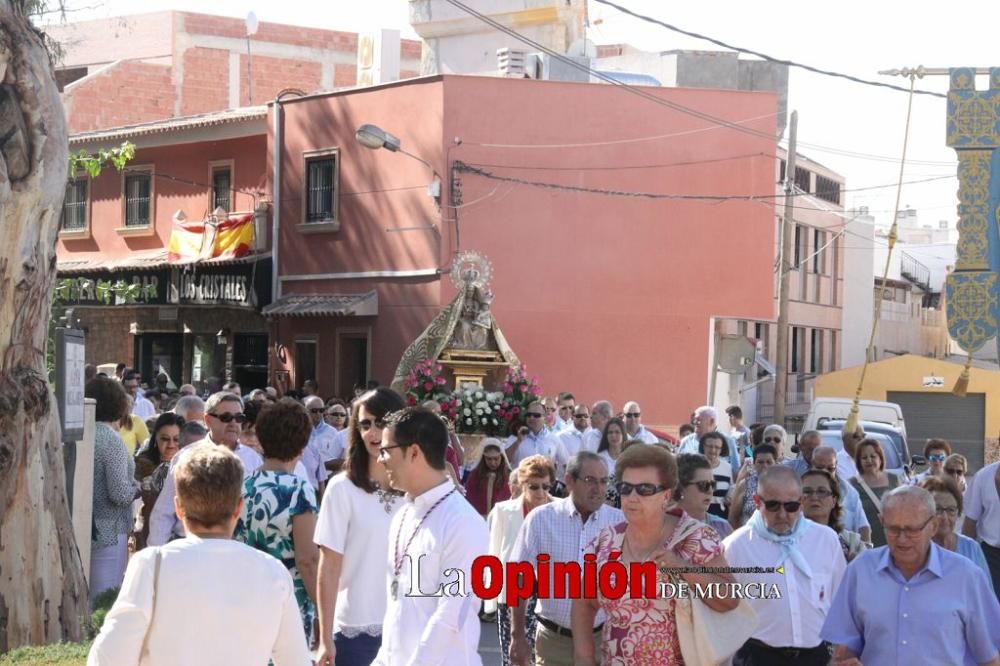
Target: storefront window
208	360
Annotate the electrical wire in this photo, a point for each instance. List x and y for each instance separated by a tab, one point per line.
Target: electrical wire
764	56
614	167
714	120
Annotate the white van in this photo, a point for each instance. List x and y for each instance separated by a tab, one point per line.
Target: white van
869	410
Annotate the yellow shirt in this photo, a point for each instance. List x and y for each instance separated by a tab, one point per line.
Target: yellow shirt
135	437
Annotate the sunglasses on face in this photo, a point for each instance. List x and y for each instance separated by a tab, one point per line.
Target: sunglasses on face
644	489
821	493
633	415
704	486
539	486
581	416
533	415
772	440
774	505
337	415
367	425
229	418
316	410
936	457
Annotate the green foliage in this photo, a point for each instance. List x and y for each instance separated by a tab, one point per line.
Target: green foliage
60	654
102	604
94	164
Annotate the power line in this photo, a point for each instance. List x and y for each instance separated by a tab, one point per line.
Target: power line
714	120
763	56
616	167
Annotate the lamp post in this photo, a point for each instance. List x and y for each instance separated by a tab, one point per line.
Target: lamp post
374	137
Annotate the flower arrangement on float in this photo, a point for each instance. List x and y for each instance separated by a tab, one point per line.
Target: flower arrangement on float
477	411
426	381
519	390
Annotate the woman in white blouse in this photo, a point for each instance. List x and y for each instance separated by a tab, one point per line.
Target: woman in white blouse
535	476
206	598
353	534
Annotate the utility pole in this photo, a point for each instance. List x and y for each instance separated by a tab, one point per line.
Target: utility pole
786	255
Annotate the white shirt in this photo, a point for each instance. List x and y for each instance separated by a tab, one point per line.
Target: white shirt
609	461
796	618
543	443
312	460
557	528
431	630
206	589
982	504
846	469
163	522
328	441
355	524
574	440
643	435
591	440
688	445
143	407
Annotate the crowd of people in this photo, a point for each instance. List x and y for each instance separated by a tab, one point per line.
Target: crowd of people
344	533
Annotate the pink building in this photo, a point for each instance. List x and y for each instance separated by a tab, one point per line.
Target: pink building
609	296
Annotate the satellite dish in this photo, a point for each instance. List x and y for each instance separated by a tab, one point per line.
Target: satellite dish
582	48
251	24
735	353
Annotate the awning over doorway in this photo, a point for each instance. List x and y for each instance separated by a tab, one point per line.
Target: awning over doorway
324	305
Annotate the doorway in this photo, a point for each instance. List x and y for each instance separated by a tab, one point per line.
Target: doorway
160	352
352	362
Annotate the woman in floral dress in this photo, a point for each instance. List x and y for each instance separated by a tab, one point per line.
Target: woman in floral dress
643	631
279	513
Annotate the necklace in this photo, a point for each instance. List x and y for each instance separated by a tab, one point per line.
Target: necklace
386	497
399	558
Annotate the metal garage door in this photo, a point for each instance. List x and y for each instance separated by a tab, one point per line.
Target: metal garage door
961	421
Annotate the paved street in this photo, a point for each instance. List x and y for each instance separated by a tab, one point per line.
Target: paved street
489	644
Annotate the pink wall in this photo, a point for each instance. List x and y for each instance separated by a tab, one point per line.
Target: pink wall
185	162
608	297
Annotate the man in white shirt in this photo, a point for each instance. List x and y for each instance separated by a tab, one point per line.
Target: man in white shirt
141	407
224	418
706	420
535	439
322	444
431	615
190	408
778	535
982	517
573	438
562	529
567	403
633	425
600	414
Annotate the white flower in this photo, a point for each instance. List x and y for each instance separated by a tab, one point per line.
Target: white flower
495	422
467	412
479	394
468	421
479	412
487	409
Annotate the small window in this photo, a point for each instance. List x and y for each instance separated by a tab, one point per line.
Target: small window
222	186
305	360
138	187
74	210
819	241
800	246
321	189
816	351
798	342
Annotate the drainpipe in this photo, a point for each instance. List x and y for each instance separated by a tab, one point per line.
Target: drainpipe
279	141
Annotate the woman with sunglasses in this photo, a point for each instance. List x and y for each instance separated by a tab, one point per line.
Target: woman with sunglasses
643	631
353	534
535	476
948	503
936	451
872	482
741	505
821	504
695	489
151	466
336	414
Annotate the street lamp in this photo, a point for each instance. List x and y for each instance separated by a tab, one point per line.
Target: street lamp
374	137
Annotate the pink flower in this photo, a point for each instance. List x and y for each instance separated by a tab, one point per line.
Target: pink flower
428	386
441	381
410	400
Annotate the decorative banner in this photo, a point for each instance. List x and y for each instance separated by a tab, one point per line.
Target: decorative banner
199	240
972	290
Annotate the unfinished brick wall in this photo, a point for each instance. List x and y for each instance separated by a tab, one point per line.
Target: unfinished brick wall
272	75
123	94
205	84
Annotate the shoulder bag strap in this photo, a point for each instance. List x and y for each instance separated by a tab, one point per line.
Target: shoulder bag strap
152	614
871	493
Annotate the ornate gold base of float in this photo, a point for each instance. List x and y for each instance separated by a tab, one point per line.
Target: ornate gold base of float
473	367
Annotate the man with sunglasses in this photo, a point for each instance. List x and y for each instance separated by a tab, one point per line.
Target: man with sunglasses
224	418
912	601
574	437
322	447
535	439
778	535
567	403
562	529
634	430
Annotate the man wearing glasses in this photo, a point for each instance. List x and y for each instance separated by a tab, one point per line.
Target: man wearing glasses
535	439
224	418
567	403
562	529
911	601
322	447
573	437
633	425
853	515
778	535
706	419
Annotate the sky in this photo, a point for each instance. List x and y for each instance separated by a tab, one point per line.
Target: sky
850	36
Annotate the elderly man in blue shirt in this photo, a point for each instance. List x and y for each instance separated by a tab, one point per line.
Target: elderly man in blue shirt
913	602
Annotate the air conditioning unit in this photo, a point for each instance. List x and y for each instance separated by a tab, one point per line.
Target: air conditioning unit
510	63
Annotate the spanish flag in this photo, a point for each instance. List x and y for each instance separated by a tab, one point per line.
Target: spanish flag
198	240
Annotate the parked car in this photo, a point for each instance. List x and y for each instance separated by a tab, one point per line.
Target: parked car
873	411
897	453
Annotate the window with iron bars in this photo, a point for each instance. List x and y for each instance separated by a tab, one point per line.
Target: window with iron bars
74	210
138	187
222	180
321	189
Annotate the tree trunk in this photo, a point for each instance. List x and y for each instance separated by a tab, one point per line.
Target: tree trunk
42	590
